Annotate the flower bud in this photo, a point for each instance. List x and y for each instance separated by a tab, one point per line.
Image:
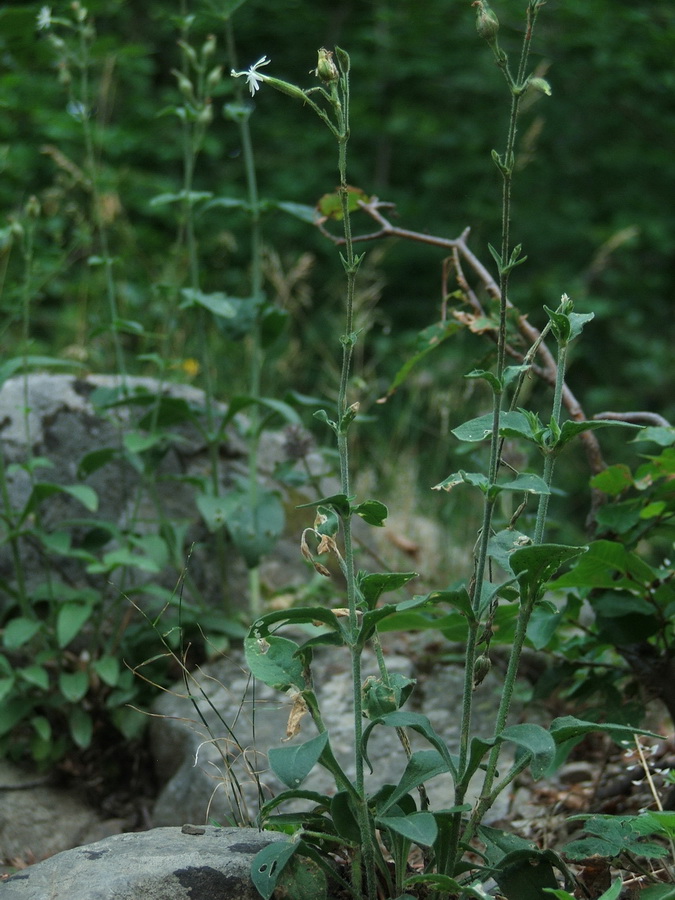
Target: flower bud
214	78
540	84
481	668
205	115
33	208
209	46
487	23
184	84
326	69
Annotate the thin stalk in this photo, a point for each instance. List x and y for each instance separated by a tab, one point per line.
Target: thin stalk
101	231
255	342
351	265
549	462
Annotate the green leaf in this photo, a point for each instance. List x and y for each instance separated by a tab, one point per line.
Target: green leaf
139	442
35	675
273	660
81	727
307	214
422	766
601	564
535	741
19	631
419	827
92	462
372	511
513	423
268	865
108	669
476	479
293	764
525	874
83	493
613	480
373	585
446	884
73	685
69	620
344	818
339	502
664	437
535	565
254	529
26	363
528	484
657	892
427	340
570	429
217	303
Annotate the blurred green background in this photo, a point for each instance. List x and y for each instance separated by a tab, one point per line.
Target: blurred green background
592	206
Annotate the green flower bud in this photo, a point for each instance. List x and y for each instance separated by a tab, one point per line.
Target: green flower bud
326	69
487	23
480	670
33	208
214	78
184	84
209	46
540	84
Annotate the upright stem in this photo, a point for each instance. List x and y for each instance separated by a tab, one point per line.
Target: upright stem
351	265
255	345
102	233
516	88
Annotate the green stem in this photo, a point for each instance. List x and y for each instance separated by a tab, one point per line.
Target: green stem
549	462
255	341
93	171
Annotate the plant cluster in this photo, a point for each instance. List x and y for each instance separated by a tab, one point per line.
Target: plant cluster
74	638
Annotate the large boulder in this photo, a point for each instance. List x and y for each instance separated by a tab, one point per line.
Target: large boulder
188	863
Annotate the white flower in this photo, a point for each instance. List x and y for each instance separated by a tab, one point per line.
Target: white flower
253	79
44	18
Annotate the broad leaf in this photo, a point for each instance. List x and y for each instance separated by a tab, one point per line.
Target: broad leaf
273	661
268	865
373	585
419	827
293	764
535	565
70	619
515	424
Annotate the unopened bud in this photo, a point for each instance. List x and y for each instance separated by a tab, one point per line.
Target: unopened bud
480	670
209	46
189	52
326	69
205	115
487	23
184	84
33	207
214	78
540	84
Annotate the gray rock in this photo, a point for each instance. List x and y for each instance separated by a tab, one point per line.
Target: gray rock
37	820
162	864
55	417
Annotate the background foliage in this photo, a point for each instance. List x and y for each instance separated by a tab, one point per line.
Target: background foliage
592	214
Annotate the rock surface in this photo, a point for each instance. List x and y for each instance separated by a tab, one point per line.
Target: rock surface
27	817
163	864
